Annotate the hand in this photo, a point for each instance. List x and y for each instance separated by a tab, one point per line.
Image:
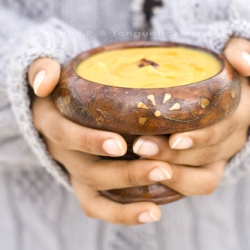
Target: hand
77	147
206	150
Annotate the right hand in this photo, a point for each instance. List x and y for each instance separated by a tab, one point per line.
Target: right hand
78	149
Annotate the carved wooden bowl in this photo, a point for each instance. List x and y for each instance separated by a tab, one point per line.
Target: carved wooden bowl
140	111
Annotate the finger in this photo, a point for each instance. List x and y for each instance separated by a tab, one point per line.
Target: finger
157	148
96	206
192	181
218	132
237	53
99	174
112	174
44	74
70	135
205	137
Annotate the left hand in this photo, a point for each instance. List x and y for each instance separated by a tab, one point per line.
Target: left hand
198	157
78	149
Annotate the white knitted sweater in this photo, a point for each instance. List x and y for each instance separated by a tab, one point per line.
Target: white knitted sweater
36	212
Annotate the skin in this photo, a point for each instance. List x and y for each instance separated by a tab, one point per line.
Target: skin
195	170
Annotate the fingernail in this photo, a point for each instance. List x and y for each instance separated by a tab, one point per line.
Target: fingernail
38	80
145	147
146	217
113	147
182	143
159	174
246	56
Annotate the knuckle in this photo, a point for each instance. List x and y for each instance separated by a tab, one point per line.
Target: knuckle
210	185
130	178
202	158
88	211
57	134
88	178
207	155
231	126
85	143
177	178
206	137
173	156
120	218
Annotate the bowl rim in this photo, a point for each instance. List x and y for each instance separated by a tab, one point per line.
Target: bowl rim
140	44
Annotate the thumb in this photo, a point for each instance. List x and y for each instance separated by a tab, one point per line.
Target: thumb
237	52
43	75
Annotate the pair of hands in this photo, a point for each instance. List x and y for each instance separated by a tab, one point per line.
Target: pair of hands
192	163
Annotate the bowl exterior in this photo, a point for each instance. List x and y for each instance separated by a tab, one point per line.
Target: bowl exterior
146	111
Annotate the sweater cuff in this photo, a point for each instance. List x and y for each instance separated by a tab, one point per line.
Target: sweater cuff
53	39
214	35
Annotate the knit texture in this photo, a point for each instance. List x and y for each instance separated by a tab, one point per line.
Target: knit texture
38	213
54	40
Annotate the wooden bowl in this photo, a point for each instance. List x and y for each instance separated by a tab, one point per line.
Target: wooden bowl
140	111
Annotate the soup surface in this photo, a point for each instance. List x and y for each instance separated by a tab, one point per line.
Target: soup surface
150	67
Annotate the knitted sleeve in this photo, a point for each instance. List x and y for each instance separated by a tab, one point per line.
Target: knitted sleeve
22	41
213	35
